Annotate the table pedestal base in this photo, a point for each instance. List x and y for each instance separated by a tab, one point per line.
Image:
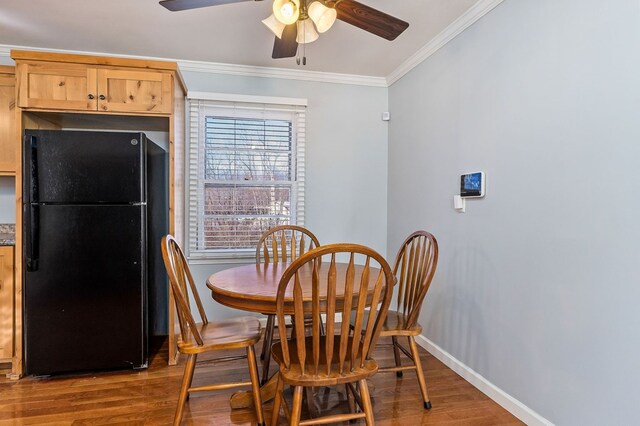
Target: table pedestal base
244	399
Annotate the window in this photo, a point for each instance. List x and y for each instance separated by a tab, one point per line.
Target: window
245	174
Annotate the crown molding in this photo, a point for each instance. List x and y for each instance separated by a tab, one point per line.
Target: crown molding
231	69
471	16
283	73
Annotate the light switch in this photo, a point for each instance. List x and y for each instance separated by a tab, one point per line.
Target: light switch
459	203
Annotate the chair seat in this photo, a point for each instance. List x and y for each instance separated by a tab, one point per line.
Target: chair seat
394	325
294	376
232	333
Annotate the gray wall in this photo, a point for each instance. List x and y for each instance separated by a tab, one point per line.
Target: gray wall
537	288
7	200
346	162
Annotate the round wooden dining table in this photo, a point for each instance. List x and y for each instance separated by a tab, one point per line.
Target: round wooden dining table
253	288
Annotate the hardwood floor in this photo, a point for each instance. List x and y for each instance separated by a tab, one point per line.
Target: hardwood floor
149	397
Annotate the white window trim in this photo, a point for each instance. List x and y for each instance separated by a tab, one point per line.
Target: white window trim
241	255
229	97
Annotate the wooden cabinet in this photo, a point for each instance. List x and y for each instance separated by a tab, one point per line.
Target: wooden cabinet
57	86
50	85
8	143
125	90
6	303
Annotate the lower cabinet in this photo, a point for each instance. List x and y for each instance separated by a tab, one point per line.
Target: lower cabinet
6	303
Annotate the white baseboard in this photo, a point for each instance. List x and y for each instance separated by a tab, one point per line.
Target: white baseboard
508	402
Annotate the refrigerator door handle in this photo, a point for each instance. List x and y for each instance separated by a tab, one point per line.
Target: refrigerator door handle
33	239
33	184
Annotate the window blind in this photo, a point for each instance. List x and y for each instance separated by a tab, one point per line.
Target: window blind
245	174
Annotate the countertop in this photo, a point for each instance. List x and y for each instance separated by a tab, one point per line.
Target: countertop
7	234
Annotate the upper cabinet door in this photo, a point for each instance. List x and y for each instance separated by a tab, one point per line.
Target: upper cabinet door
134	91
8	141
51	85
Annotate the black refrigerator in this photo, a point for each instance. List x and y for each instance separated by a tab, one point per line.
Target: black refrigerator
95	206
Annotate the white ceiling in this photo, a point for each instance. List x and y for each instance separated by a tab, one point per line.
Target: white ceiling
231	33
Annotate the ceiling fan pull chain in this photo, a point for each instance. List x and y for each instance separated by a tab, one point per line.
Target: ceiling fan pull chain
304	43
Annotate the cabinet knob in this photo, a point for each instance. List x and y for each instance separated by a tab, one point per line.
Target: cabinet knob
91	96
101	97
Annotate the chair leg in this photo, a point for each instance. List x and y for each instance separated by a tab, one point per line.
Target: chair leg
396	355
366	402
255	385
184	389
275	414
419	373
265	369
191	378
350	398
296	409
266	349
268	336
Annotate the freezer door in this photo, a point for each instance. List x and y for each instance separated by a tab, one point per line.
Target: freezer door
84	304
73	167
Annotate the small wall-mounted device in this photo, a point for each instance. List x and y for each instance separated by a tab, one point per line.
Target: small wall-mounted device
386	116
472	185
459	204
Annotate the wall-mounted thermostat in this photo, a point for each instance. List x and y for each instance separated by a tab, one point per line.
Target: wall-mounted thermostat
472	185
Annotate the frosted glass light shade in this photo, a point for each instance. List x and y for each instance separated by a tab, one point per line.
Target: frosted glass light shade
286	11
274	25
323	16
306	32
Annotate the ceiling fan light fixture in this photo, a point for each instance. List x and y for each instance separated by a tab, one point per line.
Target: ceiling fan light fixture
324	17
306	32
286	11
274	25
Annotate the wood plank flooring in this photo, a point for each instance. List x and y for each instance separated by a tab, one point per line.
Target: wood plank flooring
148	397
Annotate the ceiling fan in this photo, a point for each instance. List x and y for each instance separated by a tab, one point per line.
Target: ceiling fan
297	22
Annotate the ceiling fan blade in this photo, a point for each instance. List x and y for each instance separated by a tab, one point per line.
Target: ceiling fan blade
177	5
370	19
287	46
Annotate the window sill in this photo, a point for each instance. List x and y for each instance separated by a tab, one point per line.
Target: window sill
222	258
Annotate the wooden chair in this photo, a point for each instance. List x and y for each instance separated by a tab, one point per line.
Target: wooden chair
283	243
335	357
196	338
414	268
